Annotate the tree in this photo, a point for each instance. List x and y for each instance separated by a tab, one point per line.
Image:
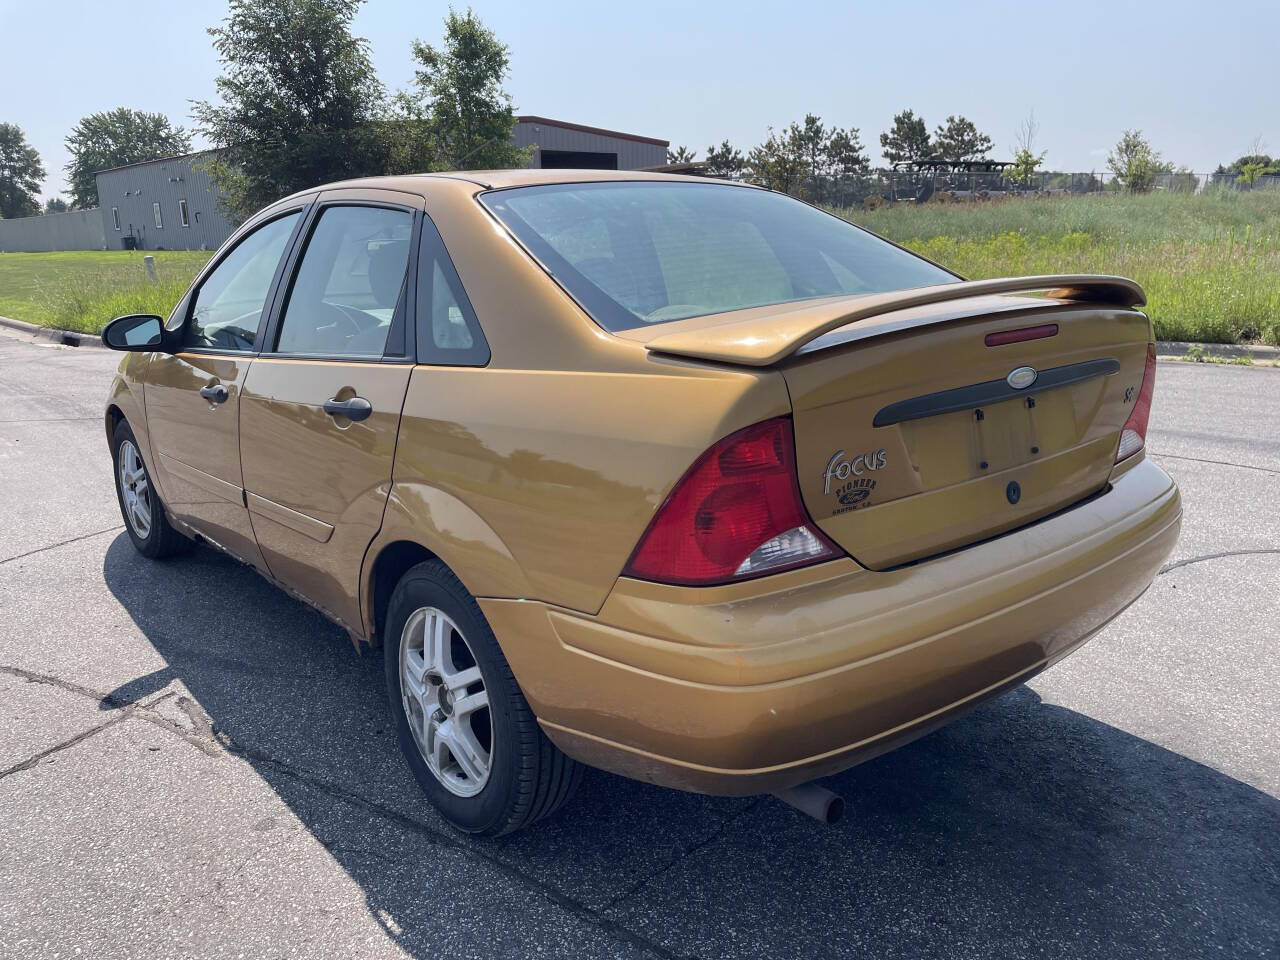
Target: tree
469	116
1025	159
907	139
1134	163
811	142
1250	172
299	101
56	205
680	155
21	174
725	161
959	139
847	163
112	139
779	163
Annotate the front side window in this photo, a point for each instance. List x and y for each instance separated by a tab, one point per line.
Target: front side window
636	253
229	304
345	292
155	208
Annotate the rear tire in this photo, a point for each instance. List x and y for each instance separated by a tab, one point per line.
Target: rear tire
489	769
145	519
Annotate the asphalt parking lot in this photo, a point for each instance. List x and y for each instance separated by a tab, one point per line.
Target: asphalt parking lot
192	764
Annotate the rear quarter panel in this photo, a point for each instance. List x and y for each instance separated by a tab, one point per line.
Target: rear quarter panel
562	470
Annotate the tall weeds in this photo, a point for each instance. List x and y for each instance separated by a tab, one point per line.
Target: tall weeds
1210	263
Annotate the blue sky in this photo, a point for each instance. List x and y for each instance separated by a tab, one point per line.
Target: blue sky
1196	78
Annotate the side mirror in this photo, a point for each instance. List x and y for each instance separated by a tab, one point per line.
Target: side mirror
138	332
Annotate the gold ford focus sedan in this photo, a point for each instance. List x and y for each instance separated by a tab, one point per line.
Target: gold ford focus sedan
682	479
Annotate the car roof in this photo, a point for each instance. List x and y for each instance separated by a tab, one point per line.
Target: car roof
497	179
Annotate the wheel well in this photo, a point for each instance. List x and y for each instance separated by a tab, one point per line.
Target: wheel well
392	563
114	416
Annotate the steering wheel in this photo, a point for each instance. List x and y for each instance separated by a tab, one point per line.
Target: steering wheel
357	318
237	334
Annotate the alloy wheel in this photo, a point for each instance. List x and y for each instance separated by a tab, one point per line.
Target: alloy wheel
446	702
135	490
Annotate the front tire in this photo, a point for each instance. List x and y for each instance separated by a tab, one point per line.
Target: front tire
144	515
464	726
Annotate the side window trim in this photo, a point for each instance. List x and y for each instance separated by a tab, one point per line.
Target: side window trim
432	249
268	334
305	209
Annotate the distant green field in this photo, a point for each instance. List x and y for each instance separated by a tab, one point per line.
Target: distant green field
1210	262
82	290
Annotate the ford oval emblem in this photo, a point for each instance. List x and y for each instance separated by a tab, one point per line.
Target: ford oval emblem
1022	378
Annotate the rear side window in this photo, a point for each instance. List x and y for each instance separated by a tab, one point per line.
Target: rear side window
228	305
348	284
636	253
448	332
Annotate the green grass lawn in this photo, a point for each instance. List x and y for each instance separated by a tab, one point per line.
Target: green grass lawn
1210	262
82	290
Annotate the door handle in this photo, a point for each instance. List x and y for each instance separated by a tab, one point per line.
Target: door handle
357	408
215	393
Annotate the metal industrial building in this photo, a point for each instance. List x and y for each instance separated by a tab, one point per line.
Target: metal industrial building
161	205
172	204
561	146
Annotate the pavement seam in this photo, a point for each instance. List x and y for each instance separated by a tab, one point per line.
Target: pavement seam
124	714
229	748
1219	463
1263	551
63	543
32	677
684	854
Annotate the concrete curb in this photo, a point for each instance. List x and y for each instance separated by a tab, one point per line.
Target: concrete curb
67	338
1178	350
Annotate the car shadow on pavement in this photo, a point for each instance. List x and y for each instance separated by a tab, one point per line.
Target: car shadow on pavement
1022	828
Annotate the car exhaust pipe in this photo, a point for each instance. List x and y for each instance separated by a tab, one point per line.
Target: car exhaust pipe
818	802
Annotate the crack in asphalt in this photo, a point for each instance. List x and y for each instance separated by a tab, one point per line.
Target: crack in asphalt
1261	551
1219	463
62	543
229	747
126	711
683	855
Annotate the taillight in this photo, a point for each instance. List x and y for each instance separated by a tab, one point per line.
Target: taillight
1134	434
735	514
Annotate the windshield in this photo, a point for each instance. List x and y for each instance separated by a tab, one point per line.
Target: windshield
635	253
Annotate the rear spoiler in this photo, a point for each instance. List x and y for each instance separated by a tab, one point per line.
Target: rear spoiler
759	341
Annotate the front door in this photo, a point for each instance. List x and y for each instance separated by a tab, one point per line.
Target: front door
193	398
321	406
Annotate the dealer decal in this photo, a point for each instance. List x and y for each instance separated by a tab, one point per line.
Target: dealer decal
841	467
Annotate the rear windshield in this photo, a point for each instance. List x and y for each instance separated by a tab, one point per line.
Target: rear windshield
647	252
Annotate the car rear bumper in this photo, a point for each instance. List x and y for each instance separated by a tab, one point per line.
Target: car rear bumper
762	685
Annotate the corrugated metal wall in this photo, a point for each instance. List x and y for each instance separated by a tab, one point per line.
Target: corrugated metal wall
76	230
133	190
632	154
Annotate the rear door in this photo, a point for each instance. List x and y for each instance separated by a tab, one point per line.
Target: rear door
321	405
193	398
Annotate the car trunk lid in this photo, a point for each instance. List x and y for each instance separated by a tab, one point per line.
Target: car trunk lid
947	420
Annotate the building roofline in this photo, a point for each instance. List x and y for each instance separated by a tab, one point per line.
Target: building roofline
582	128
143	163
